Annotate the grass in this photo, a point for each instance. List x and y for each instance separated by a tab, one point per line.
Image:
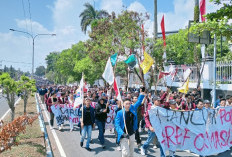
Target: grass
31	144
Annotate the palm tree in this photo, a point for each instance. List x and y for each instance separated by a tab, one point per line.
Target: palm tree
89	15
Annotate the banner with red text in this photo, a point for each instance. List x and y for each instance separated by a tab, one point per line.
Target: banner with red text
204	132
110	117
66	112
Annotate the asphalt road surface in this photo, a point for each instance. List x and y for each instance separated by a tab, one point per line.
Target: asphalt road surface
3	106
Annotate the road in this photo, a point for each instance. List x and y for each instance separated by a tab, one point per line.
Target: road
70	142
4	106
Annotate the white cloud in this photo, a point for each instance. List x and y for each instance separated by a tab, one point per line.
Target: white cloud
66	25
17	47
136	6
110	6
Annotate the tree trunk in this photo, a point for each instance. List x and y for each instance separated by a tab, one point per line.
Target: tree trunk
25	105
151	77
12	113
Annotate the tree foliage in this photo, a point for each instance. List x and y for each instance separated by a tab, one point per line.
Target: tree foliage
89	15
40	71
10	90
26	88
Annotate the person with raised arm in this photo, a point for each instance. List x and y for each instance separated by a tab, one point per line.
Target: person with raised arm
126	124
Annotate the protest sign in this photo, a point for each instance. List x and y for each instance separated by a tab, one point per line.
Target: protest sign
65	112
110	117
204	132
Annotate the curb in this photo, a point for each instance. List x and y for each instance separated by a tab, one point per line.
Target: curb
43	129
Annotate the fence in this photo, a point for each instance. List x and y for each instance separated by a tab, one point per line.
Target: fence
224	72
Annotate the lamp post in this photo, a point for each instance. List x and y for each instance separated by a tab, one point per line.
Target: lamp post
33	45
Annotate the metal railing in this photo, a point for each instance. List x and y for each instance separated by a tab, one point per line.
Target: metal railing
224	72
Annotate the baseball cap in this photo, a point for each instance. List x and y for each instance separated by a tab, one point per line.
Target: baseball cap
172	102
156	98
206	102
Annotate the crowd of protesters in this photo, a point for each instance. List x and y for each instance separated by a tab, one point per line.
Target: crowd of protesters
130	120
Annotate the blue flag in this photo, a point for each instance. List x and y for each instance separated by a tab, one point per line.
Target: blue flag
113	59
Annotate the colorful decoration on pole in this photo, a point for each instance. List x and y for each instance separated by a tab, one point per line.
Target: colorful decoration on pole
131	61
184	89
147	63
113	59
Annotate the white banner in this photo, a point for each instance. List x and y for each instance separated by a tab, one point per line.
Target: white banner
110	117
65	112
204	132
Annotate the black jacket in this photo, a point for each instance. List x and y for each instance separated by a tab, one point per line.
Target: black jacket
99	114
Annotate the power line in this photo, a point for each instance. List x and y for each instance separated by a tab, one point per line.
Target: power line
29	9
24	13
14	62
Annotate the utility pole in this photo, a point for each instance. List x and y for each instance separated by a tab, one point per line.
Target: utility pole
214	69
33	45
155	20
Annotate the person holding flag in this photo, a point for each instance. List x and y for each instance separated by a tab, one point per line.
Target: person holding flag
126	124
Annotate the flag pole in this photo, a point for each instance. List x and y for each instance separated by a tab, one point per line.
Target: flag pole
120	101
82	91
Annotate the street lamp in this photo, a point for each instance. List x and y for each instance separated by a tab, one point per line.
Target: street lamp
33	41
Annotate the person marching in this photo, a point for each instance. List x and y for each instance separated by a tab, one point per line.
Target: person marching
71	101
88	123
62	100
126	124
101	110
151	131
52	101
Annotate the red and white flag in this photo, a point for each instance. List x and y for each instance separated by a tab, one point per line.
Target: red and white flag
163	74
173	71
202	10
116	89
163	30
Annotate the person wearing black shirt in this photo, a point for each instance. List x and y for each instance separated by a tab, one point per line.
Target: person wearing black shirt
101	110
88	123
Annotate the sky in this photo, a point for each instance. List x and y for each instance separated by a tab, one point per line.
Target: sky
62	18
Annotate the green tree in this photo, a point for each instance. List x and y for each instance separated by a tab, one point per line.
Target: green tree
68	59
89	15
51	60
40	71
120	34
10	90
26	88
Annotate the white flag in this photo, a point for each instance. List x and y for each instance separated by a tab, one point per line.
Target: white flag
187	73
80	94
108	74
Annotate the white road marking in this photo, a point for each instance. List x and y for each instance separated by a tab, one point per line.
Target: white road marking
60	148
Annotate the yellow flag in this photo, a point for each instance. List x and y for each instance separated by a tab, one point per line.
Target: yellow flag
184	89
147	63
